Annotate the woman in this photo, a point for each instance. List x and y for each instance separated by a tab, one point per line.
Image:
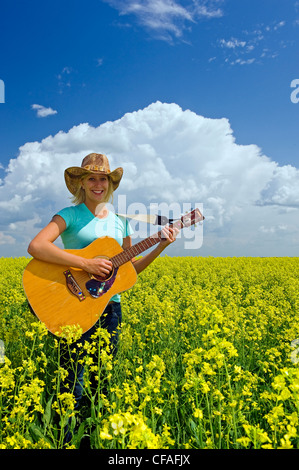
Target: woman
92	185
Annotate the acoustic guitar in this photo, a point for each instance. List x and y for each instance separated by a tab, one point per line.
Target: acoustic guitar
62	295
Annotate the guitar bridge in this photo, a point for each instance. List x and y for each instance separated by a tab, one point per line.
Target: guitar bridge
73	286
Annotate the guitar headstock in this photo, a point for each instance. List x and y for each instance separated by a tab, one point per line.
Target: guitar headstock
192	218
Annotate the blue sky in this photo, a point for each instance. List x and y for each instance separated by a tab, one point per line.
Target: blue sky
67	63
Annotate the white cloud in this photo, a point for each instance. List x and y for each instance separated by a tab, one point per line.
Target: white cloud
232	43
169	155
166	18
241	61
283	188
272	229
279	25
42	112
208	9
264	41
6	240
64	79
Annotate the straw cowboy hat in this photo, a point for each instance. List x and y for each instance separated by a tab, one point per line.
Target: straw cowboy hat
96	163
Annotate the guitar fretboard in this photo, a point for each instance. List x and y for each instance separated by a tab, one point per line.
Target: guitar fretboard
135	250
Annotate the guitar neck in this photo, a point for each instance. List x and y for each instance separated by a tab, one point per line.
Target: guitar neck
135	250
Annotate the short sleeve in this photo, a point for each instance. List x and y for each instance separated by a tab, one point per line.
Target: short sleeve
68	215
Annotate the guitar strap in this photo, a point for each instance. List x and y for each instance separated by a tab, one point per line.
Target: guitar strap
149	219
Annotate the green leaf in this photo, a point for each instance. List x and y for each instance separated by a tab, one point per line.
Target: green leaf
48	412
38	434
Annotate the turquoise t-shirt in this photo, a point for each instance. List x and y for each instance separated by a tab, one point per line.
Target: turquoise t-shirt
82	228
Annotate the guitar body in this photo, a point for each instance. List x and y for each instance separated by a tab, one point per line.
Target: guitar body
56	302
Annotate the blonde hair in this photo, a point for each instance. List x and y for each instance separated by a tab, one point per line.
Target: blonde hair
79	195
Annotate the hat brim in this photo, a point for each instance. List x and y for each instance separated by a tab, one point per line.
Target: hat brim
73	175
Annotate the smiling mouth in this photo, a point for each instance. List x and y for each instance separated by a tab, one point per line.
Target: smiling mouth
98	192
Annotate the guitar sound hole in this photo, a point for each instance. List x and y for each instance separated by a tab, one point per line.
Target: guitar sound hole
99	287
102	278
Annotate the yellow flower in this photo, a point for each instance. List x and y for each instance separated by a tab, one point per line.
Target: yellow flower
198	413
105	435
70	333
117	427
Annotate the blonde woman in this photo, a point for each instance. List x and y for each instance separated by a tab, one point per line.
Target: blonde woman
92	185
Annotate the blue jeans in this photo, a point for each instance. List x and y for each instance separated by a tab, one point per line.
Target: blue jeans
111	321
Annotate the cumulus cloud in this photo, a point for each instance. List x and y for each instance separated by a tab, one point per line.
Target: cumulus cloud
283	188
42	111
168	155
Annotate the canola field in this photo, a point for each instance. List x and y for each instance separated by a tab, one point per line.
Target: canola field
207	360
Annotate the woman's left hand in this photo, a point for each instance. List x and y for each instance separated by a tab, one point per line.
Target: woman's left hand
168	235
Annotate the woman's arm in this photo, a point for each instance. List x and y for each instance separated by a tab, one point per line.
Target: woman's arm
142	263
43	248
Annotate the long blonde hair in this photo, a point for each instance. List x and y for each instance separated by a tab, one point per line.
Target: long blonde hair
79	195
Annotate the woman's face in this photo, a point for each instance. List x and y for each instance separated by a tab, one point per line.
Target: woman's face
96	187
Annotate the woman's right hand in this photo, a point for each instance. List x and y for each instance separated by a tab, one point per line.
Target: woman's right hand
99	266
